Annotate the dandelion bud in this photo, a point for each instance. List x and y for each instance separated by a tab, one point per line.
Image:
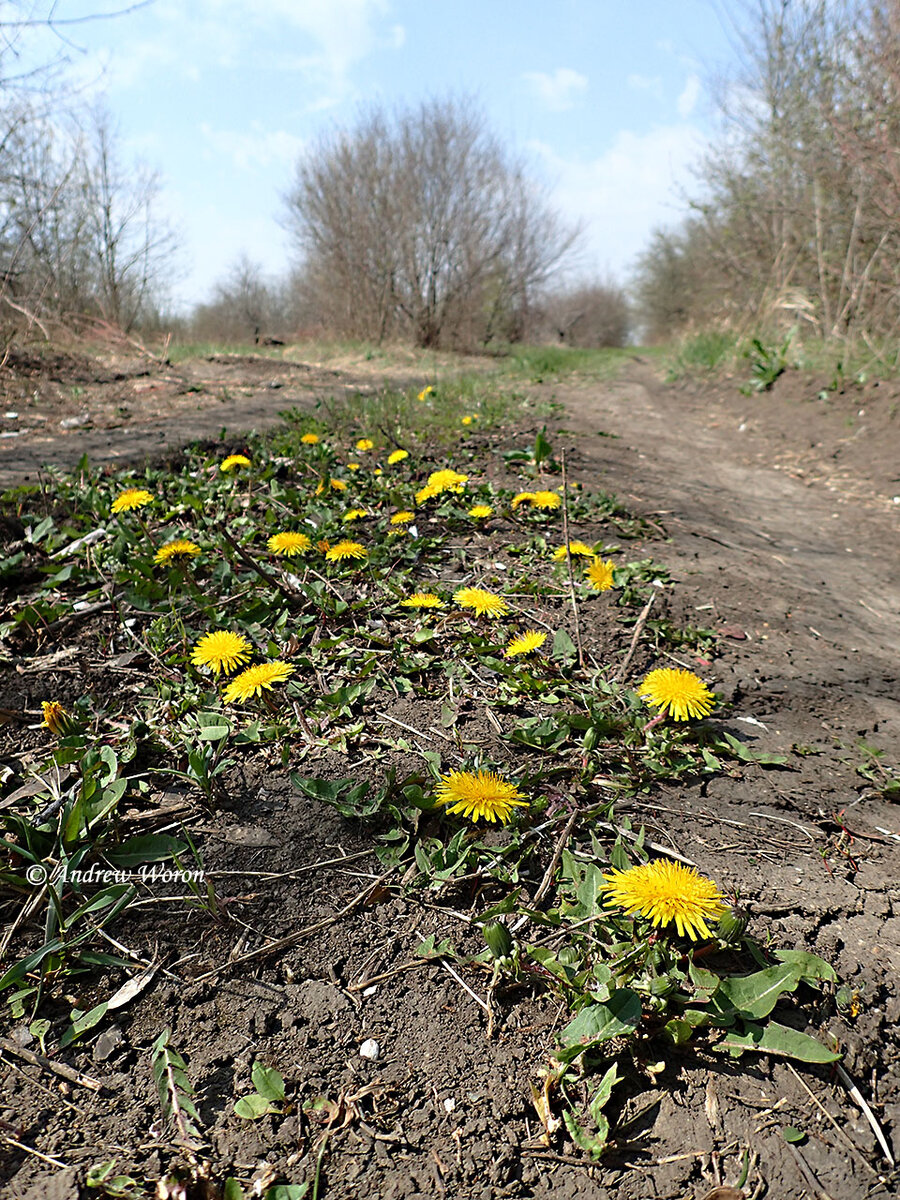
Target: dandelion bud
498	939
57	720
732	926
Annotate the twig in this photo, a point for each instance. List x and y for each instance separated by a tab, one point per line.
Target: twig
565	508
840	1132
547	881
47	1158
866	1112
409	728
38	1060
638	630
811	1182
293	938
656	847
362	984
462	983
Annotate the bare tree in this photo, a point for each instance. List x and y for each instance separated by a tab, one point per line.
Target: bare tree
421	224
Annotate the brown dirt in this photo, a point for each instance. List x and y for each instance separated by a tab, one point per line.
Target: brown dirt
782	534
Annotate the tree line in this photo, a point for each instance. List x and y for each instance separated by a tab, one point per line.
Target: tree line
795	220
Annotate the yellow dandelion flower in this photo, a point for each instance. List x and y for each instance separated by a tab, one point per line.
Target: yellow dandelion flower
522	498
289	543
323	546
664	892
479	794
403	518
680	693
354	466
60	722
484	604
131	498
221	650
575	548
354	514
422	600
546	500
600	575
336	485
427	493
525	643
257	679
365	444
447	480
467	420
181	548
233	461
378	471
310	439
480	511
425	392
397	456
344	549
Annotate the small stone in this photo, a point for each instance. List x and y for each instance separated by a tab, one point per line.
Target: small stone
369	1049
108	1043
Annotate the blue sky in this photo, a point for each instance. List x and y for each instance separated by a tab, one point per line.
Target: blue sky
606	99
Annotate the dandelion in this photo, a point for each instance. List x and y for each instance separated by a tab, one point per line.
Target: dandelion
575	548
323	546
680	693
378	471
479	794
180	549
484	604
467	420
310	439
522	498
546	500
665	892
447	480
403	518
233	461
600	575
525	643
344	549
354	514
425	392
256	679
289	543
480	511
365	444
131	498
422	600
60	722
336	485
427	493
221	650
354	466
397	456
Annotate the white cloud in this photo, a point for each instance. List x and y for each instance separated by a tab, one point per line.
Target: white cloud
687	101
559	90
621	195
257	147
647	83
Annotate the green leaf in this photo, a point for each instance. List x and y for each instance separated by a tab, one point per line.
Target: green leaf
82	1023
232	1190
810	967
754	996
592	1143
678	1031
742	751
267	1081
777	1039
254	1106
792	1134
287	1191
146	847
563	648
597	1023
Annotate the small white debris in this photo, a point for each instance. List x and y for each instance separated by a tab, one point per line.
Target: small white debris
742	427
369	1049
11	416
449	1104
75	422
370	991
